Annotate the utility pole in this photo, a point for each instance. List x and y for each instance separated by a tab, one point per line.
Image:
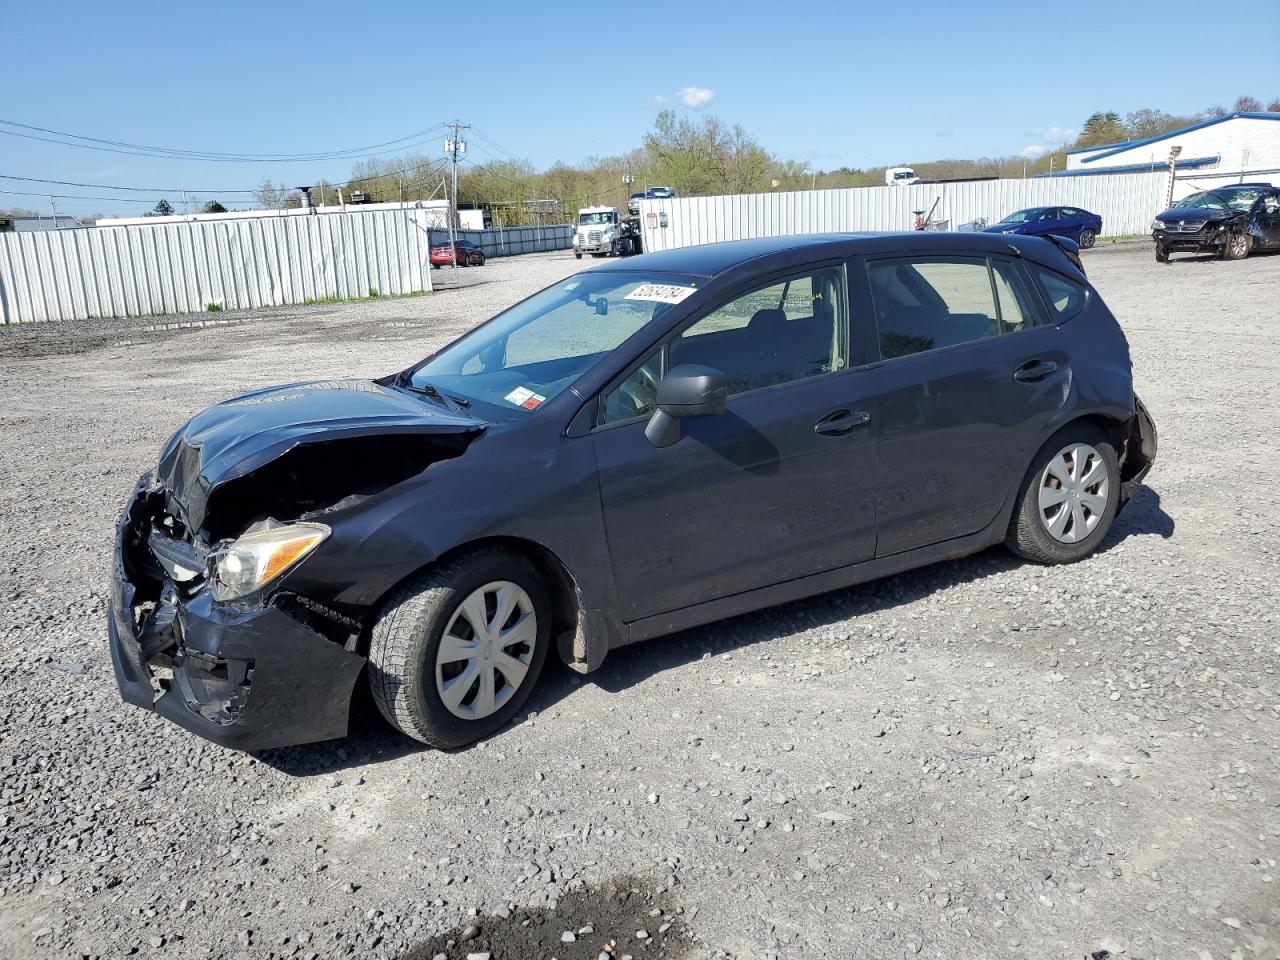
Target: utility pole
455	147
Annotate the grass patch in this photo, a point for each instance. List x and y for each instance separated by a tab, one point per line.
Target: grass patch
373	295
213	308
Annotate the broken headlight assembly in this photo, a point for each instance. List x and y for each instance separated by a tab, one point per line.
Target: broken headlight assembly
253	560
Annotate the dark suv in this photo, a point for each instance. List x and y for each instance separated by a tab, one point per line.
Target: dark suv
1229	221
649	445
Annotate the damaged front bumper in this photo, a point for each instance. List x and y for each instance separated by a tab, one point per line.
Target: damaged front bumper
246	678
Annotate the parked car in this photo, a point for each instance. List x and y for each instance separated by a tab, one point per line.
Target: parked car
1229	221
661	193
633	202
1071	222
468	254
643	447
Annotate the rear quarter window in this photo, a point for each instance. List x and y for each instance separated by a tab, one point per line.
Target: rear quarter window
1066	297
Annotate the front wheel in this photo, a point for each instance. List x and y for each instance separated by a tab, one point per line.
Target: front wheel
1086	239
1162	255
455	653
1238	246
1069	498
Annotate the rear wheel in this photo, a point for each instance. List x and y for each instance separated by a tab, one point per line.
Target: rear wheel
1069	497
454	654
1238	246
1086	239
577	256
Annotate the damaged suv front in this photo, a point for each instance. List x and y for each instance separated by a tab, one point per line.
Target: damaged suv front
215	622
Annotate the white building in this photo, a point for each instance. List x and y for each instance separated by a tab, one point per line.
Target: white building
1230	149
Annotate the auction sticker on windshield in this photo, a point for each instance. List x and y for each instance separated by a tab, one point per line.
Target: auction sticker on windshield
660	292
526	398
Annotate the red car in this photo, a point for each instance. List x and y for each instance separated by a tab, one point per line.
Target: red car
468	253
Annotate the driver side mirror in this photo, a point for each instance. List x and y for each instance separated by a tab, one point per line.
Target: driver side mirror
689	390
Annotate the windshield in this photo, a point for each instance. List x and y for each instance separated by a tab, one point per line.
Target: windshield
593	218
1208	200
904	174
527	355
1022	216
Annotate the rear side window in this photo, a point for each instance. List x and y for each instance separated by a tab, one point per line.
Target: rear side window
1066	297
941	302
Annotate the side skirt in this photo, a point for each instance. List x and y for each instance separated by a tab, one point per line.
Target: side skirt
701	613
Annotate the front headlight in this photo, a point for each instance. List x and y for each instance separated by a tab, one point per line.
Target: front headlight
254	560
1157	225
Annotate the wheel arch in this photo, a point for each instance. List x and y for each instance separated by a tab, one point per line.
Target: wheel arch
578	633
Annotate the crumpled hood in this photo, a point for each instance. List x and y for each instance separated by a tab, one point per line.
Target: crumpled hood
1193	214
237	436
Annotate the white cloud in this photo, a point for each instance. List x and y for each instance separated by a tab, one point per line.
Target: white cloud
660	99
695	97
1034	151
1058	135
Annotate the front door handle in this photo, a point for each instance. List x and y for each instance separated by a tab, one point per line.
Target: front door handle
840	422
1034	370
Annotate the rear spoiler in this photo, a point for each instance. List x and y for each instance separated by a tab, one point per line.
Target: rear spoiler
1069	248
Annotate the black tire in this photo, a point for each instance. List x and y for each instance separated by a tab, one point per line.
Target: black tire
480	263
1162	255
1029	536
406	638
577	256
1237	247
1086	239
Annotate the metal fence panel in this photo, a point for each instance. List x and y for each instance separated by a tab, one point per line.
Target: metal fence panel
1126	203
184	267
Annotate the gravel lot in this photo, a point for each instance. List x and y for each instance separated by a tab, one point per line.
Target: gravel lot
979	759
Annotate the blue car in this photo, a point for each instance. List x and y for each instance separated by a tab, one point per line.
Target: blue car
1071	222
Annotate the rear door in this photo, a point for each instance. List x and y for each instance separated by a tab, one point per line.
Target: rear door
968	383
778	487
1070	223
1268	217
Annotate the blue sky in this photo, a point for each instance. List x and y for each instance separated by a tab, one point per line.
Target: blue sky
833	84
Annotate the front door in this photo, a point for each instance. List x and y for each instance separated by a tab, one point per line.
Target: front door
968	386
778	487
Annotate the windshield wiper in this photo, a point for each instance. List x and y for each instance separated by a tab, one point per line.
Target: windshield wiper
452	404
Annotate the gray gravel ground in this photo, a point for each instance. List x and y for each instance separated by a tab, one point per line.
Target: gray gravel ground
978	759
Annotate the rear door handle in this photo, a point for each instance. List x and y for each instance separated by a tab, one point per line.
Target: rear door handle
1034	370
840	422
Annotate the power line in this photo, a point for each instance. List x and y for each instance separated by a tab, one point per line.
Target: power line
172	153
108	186
403	171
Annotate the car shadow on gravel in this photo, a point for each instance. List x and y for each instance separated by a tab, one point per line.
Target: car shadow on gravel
372	740
620	918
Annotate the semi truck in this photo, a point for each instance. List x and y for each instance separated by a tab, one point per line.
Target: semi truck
602	231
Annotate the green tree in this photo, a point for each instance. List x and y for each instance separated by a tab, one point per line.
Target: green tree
162	209
1102	128
213	206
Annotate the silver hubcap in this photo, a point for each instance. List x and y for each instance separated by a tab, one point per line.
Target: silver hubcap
1074	490
486	650
1237	244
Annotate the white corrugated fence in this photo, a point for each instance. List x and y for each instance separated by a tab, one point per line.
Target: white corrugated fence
1126	203
185	267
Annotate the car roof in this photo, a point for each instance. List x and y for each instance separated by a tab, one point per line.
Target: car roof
713	259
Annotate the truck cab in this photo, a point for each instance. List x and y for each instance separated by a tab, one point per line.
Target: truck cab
602	231
900	177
